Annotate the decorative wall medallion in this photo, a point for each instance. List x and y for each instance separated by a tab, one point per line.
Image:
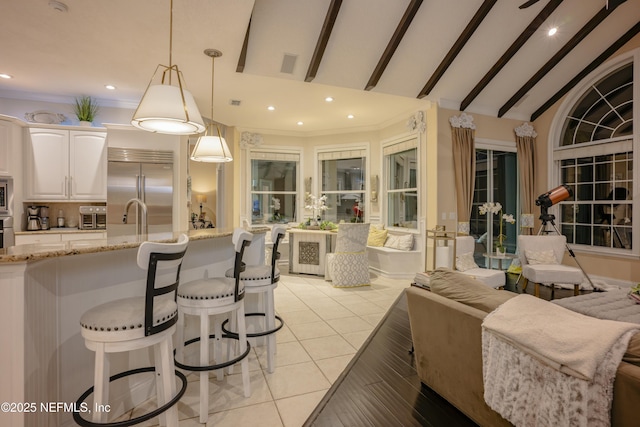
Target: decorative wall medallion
250	140
464	120
416	122
309	253
45	117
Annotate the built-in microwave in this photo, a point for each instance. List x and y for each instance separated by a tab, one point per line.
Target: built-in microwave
6	196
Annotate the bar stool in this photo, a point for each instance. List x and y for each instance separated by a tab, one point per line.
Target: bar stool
138	322
264	279
210	297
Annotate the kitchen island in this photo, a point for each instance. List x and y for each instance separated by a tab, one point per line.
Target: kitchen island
45	288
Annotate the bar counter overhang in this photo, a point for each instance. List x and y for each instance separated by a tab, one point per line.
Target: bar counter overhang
45	288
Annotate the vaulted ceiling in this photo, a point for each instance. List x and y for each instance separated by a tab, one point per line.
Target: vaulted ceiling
379	59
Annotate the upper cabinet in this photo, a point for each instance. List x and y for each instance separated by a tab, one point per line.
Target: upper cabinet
66	165
6	129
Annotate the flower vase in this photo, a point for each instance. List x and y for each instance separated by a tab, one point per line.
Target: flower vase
500	252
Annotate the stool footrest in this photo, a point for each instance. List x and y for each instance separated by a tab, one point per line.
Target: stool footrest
255	334
218	365
86	423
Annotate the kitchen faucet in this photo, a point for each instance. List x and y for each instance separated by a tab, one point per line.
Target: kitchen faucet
144	229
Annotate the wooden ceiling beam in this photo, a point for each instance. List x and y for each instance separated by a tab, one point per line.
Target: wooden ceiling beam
577	38
242	60
395	40
323	39
466	34
511	51
588	69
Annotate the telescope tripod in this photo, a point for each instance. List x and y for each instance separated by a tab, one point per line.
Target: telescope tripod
547	219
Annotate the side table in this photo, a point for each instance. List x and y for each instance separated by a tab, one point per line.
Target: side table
492	256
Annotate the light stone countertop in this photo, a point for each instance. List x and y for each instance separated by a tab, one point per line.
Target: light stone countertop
37	251
56	230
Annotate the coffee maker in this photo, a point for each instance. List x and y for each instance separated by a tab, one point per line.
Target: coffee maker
44	217
33	218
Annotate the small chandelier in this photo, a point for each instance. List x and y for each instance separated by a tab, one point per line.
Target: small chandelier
211	148
168	108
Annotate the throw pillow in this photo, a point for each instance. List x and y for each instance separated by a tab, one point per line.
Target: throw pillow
467	290
402	242
377	225
541	257
376	237
465	262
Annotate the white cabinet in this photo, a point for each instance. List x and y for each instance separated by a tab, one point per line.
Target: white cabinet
25	239
66	165
70	237
6	129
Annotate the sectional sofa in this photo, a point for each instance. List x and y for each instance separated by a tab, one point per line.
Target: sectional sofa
446	331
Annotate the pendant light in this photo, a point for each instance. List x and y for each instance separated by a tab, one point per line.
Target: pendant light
167	107
211	148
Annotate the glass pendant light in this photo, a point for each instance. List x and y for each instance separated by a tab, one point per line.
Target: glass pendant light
168	107
211	148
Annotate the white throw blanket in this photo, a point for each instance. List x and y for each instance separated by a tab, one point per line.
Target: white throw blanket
544	365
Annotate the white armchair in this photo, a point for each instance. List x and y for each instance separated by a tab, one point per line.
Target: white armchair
348	266
465	246
541	259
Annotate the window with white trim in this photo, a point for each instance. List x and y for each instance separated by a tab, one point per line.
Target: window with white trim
274	180
401	188
594	156
343	180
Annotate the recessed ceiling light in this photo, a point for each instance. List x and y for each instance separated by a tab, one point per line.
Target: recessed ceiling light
300	123
552	31
350	116
329	99
271	108
110	87
5	76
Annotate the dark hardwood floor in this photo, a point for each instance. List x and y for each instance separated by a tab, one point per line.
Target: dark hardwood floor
380	387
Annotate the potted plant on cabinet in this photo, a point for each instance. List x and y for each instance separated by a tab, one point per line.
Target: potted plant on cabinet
86	109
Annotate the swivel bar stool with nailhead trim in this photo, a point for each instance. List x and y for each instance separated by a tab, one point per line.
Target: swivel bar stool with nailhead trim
210	297
264	279
139	322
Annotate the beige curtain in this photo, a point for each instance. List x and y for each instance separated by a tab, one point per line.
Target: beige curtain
464	166
526	144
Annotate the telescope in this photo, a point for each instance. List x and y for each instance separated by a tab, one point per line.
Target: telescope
551	197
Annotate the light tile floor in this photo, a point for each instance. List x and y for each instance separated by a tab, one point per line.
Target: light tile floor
324	328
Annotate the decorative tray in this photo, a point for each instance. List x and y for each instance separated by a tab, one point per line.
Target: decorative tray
45	117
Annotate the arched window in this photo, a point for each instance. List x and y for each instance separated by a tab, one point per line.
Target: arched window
594	156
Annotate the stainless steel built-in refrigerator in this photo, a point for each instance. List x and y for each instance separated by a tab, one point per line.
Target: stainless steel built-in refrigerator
143	174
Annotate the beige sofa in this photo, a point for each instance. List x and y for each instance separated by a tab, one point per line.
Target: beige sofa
446	330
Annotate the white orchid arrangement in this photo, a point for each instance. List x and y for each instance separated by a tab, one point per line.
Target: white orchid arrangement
495	208
276	208
316	205
276	203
